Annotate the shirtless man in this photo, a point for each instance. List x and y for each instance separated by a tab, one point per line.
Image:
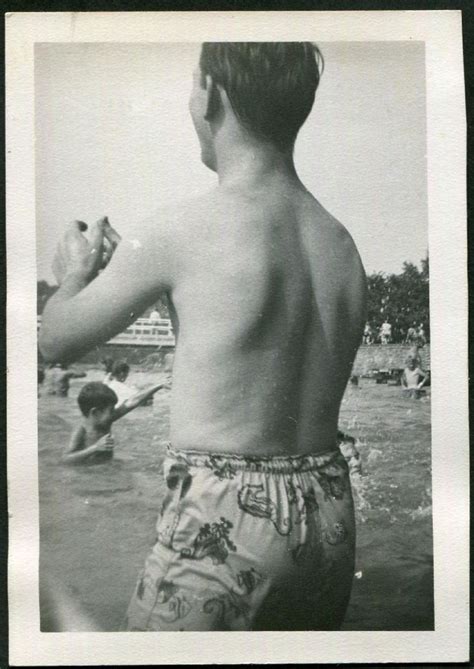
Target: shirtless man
267	296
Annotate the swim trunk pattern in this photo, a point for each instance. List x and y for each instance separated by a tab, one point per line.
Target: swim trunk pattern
249	543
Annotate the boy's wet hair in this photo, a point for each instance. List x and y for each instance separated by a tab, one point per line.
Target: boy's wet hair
108	363
120	367
95	395
270	85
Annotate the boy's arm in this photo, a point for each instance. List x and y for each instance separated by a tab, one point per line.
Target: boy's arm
404	379
76	442
90	308
76	453
424	378
77	375
133	401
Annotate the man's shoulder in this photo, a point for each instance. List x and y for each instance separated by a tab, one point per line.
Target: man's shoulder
331	226
328	234
194	207
170	221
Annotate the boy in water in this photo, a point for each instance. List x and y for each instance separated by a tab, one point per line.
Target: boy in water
108	363
348	448
116	380
92	441
413	378
57	378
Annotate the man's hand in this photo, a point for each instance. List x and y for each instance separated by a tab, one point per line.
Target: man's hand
111	241
81	257
92	306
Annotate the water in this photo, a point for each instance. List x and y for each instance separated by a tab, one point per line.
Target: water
97	523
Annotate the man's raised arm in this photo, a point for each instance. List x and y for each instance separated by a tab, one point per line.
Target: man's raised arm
88	309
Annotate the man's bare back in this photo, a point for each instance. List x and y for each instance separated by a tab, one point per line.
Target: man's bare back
267	296
269	315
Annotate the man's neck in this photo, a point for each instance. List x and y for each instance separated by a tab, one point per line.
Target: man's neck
242	164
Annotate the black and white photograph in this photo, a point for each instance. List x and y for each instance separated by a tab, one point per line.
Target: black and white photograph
236	371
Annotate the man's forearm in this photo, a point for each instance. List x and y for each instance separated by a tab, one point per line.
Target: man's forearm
71	285
90	308
56	319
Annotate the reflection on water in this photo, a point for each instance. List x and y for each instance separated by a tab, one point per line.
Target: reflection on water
98	522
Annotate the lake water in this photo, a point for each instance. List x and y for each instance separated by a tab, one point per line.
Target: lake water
97	523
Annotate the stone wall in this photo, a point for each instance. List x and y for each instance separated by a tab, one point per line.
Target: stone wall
390	356
142	356
368	357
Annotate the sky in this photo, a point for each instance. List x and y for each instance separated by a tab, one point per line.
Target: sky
114	137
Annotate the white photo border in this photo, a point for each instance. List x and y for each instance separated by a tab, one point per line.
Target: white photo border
446	126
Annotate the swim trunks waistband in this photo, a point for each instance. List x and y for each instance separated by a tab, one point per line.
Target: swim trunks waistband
277	464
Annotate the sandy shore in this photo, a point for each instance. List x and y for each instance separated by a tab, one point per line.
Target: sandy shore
98	523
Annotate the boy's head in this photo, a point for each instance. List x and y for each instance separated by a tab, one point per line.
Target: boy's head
411	361
270	87
108	363
120	371
96	402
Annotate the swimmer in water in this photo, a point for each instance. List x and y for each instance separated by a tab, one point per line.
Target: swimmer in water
108	363
267	295
413	378
348	448
92	441
117	381
57	378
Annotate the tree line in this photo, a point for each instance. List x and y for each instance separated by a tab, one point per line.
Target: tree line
401	299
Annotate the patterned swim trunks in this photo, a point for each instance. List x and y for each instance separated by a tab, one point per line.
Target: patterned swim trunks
249	543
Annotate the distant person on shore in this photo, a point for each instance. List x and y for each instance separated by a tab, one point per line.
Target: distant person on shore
386	332
155	315
368	335
421	335
411	334
92	441
57	378
413	378
116	380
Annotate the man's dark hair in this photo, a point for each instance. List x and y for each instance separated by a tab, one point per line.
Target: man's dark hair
270	85
95	395
120	367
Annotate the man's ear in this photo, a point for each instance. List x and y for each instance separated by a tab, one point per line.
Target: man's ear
213	99
93	412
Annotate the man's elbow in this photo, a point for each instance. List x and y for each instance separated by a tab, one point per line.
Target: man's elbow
48	347
52	348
